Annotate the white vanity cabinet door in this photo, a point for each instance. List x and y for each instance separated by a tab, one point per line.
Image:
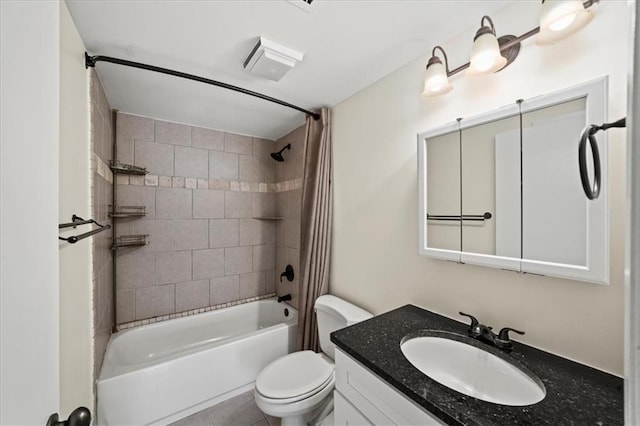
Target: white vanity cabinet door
378	402
345	414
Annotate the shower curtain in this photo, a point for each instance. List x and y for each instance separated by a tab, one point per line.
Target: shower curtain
316	217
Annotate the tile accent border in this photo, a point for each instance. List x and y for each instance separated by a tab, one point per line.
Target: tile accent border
198	183
197	311
101	168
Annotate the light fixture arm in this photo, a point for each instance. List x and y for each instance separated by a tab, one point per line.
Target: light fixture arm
444	54
508	44
493	28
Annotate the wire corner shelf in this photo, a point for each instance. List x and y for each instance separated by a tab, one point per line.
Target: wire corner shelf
127	169
130	241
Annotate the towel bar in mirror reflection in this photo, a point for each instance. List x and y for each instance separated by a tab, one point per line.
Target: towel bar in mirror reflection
519	163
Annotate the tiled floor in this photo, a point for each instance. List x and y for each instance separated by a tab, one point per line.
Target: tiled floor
239	411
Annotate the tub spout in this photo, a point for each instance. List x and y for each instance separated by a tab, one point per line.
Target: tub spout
283	298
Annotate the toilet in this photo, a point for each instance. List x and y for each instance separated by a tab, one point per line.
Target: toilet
298	387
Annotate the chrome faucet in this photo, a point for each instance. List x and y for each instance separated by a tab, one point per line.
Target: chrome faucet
485	334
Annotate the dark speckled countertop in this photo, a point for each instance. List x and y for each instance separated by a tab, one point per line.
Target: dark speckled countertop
576	394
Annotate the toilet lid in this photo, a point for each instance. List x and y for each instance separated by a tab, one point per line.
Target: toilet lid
294	375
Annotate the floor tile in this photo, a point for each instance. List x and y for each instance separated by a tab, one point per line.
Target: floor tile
201	418
273	421
241	410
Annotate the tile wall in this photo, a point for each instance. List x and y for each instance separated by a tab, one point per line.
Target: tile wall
101	196
288	205
202	194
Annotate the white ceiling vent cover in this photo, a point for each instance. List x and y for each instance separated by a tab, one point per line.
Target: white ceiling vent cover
271	60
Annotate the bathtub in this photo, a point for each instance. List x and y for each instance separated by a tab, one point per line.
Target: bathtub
162	372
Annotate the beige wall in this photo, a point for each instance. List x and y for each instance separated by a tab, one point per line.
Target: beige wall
76	316
375	261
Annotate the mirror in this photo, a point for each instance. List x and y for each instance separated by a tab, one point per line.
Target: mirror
502	189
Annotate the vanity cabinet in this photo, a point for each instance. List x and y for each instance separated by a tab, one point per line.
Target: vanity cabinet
361	398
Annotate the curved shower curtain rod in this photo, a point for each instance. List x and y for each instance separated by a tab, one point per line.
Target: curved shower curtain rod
90	61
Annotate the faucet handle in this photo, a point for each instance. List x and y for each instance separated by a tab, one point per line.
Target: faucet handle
504	333
474	321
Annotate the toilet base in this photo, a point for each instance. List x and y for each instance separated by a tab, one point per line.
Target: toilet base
314	418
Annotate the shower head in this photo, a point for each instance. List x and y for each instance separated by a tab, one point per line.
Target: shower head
278	155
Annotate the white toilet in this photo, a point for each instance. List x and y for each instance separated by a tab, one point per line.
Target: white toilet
299	387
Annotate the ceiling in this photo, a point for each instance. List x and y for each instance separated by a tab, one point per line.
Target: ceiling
347	46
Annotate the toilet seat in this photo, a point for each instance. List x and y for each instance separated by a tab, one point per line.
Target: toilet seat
294	377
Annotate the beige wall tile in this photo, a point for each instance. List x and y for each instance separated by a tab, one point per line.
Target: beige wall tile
264	257
208	263
191	234
177	182
173	267
208	203
126	306
190	183
238	143
161	235
125	150
156	157
133	126
223	165
191	162
155	301
164	181
207	138
263	148
224	289
135	270
252	284
173	203
172	133
264	204
252	232
238	204
238	260
254	169
224	233
192	295
270	282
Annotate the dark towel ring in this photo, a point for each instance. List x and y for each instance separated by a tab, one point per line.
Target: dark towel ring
592	192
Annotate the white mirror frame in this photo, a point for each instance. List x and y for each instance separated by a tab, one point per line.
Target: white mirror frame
597	265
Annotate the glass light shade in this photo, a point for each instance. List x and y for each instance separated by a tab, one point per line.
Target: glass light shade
560	19
436	81
485	55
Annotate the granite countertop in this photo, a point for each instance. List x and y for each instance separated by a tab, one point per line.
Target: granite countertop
576	394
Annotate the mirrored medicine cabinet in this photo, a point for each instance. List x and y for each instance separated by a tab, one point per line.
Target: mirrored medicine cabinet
502	189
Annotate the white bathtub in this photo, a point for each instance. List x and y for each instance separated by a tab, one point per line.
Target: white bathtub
159	373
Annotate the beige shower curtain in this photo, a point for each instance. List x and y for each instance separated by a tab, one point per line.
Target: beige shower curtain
316	217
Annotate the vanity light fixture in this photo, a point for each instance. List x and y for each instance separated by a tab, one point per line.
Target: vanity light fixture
561	18
436	80
490	54
486	57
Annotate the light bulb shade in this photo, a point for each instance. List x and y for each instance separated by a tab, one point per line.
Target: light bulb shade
485	54
436	81
561	18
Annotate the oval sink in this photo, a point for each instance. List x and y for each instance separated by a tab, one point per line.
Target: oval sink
471	370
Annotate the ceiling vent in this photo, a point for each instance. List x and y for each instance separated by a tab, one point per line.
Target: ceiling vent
271	60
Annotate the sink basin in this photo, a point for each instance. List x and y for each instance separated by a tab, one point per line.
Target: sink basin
471	370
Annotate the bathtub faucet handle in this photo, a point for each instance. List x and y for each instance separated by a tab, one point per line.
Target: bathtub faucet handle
288	273
283	298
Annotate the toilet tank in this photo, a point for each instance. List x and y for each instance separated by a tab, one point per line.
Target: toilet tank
333	314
